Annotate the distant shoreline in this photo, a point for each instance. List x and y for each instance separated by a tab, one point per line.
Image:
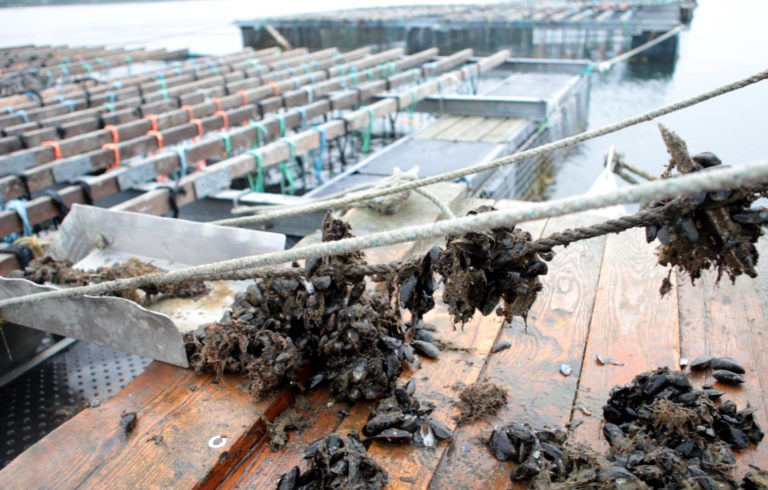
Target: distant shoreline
49	3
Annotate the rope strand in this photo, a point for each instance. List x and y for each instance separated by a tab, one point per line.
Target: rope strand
726	178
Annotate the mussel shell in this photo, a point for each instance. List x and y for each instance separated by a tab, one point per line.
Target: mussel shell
500	346
728	364
501	446
426	349
381	422
650	233
395	436
439	429
410	387
706	159
727	377
687	228
701	363
664	236
756	217
613	433
290	480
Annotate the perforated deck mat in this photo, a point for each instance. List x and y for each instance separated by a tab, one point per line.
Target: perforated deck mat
45	397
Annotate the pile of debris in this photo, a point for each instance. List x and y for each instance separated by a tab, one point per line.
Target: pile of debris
662	434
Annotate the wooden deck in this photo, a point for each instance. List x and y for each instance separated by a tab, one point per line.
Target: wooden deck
600	297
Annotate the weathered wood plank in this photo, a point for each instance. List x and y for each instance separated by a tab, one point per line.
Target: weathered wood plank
556	333
439	126
456	130
480	130
177	404
630	323
503	131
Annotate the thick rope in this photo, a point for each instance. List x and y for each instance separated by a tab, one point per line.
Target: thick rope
499	162
661	189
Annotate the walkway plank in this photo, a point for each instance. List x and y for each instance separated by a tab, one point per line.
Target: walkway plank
557	330
630	323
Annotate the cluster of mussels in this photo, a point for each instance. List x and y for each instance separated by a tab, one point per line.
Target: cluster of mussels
401	418
480	269
335	463
719	232
49	270
724	369
662	434
327	322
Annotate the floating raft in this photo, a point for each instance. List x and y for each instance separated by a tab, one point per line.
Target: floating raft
600	299
580	29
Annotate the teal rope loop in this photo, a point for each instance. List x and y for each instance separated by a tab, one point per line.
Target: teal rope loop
227	140
318	154
256	183
287	169
366	133
261	132
281	120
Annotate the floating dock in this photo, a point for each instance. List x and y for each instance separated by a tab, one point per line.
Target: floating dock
575	30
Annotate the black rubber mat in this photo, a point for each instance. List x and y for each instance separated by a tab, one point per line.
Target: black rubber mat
45	397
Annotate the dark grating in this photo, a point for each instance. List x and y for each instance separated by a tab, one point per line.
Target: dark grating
53	392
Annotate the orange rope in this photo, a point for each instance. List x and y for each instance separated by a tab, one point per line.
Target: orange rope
159	136
152	118
190	111
115	135
116	150
56	148
223	116
275	87
199	123
242	94
216	101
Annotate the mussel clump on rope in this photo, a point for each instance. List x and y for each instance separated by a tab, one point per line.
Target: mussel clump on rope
716	230
324	321
480	269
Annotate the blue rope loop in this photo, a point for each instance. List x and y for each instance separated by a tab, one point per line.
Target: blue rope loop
23	114
318	154
310	94
303	114
117	85
20	206
181	153
71	104
111	96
